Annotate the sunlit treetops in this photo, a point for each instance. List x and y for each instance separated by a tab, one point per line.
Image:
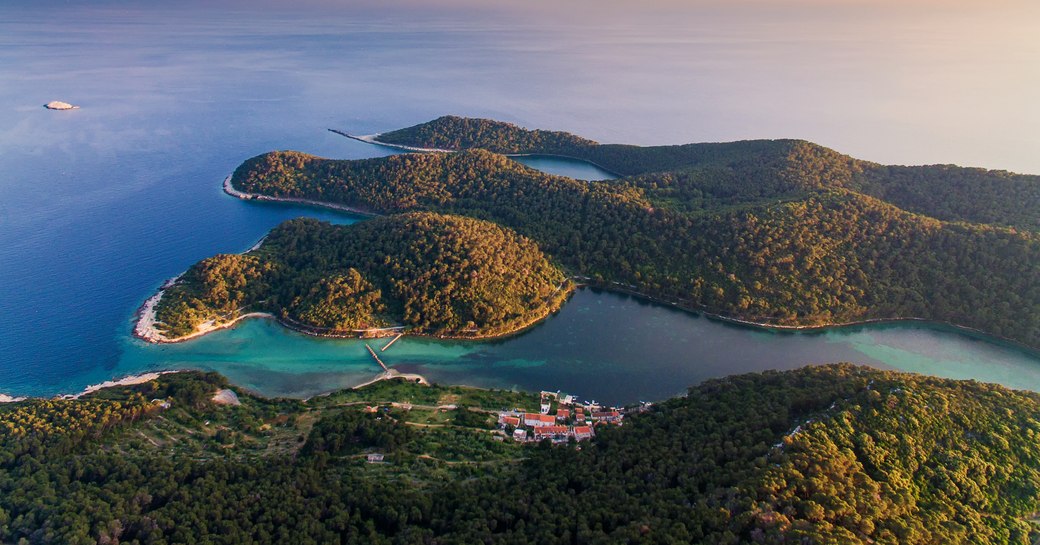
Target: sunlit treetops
432	274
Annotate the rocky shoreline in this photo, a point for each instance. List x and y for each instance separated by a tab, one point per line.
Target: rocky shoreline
230	190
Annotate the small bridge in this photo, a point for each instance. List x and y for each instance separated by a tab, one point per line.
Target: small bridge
376	356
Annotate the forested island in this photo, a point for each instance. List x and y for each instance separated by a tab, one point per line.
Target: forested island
421	273
782	232
829	454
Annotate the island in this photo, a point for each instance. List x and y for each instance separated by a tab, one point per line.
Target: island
775	233
827	454
418	273
59	105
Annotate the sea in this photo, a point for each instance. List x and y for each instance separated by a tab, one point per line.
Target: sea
100	205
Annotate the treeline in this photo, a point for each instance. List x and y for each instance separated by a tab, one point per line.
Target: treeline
791	248
831	454
436	274
761	167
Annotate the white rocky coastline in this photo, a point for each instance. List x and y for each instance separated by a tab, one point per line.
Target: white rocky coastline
230	190
145	327
125	381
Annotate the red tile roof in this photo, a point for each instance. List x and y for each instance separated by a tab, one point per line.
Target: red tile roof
552	430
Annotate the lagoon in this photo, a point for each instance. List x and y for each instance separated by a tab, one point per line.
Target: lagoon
609	347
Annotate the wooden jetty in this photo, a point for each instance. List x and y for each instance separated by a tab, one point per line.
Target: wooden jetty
376	356
392	341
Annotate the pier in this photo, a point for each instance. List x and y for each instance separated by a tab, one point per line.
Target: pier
376	356
392	341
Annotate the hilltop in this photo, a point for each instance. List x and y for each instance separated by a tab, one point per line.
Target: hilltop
422	272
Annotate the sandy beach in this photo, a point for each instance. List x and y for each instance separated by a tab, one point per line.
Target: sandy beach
4	398
146	326
392	374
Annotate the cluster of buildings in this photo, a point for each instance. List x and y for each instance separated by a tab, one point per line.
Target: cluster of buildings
571	419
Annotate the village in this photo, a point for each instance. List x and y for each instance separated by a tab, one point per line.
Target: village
560	419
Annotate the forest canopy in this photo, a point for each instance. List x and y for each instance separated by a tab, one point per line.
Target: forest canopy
435	274
776	232
829	454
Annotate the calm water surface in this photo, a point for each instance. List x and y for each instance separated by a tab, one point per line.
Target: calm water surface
606	346
562	166
100	205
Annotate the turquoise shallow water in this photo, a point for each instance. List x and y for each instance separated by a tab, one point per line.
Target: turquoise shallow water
99	206
601	345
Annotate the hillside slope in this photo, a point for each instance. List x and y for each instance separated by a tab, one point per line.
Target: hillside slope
831	454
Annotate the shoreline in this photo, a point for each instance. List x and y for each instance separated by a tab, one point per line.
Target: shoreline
230	190
145	324
128	380
782	328
141	378
389	374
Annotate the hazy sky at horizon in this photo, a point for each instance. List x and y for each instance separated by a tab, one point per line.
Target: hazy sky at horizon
912	82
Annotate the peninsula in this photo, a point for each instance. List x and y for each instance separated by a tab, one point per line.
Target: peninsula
783	233
419	273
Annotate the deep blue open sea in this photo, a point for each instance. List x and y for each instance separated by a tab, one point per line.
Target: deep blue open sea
100	205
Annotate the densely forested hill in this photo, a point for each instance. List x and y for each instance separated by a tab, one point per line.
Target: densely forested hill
790	253
832	454
437	274
456	133
762	167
